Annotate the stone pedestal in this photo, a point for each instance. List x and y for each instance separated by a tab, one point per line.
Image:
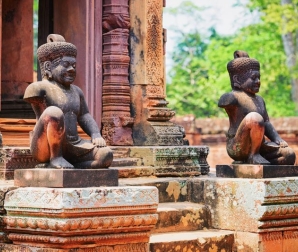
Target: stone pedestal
65	178
256	171
262	212
87	219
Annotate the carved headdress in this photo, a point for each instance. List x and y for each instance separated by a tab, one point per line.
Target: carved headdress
241	64
55	48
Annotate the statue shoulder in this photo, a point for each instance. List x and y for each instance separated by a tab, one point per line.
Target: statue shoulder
260	99
35	90
227	99
77	89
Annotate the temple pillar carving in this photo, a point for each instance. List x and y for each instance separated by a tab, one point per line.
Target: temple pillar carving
116	117
152	124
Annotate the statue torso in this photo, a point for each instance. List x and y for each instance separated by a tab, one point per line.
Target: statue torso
239	105
47	94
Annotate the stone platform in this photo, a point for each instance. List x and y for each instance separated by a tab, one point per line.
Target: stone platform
65	178
263	213
160	161
256	171
80	219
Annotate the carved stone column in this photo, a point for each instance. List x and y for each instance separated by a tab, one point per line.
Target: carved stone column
149	107
116	118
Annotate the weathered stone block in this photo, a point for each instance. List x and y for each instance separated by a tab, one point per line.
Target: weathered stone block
260	205
256	171
199	241
66	178
79	219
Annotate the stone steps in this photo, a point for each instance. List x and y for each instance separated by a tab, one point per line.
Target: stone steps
135	171
182	216
192	241
124	162
170	189
184	222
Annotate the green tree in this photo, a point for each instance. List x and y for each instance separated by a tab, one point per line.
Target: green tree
199	75
283	14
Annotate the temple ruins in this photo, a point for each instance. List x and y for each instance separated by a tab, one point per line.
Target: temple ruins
164	196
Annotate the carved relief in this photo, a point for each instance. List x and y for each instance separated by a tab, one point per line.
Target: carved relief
14	158
116	118
139	247
77	241
82	199
72	218
79	225
154	43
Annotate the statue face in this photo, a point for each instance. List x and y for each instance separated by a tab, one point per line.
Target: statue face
250	82
64	72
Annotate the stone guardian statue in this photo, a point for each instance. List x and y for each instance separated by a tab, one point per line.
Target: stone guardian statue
59	106
251	138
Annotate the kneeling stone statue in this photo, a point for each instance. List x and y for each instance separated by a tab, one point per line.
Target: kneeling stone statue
59	106
251	138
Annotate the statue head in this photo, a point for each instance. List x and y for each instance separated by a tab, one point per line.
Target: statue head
241	68
57	59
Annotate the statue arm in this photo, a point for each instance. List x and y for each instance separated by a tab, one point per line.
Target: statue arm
227	100
35	93
271	132
88	124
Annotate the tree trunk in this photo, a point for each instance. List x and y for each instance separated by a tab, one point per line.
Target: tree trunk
289	40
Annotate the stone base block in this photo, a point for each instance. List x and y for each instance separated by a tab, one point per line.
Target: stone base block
256	171
138	247
75	219
66	178
253	205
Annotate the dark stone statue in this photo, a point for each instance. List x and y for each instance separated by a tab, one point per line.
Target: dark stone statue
59	106
251	138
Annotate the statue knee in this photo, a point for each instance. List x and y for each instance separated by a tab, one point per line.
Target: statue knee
53	113
255	118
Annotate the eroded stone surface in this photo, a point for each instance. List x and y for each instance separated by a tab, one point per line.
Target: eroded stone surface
169	189
181	216
65	178
5	187
256	171
199	241
258	205
80	218
137	247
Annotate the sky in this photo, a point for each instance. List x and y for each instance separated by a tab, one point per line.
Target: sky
222	14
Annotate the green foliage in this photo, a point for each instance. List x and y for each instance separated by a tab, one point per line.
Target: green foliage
199	76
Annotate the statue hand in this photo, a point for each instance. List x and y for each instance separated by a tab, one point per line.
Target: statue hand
281	143
98	140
